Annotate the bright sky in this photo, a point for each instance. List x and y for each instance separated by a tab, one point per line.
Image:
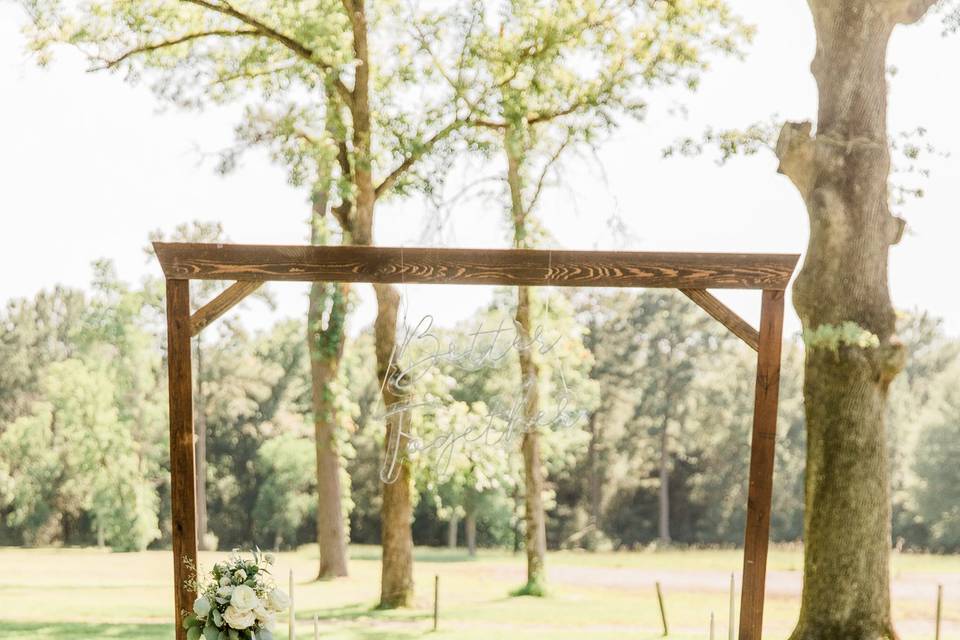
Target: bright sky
89	165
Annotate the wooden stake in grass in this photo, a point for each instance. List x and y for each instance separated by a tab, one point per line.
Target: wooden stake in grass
712	630
436	601
316	627
939	609
291	622
733	610
663	610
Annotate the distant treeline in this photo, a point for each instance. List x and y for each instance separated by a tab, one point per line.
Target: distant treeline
666	394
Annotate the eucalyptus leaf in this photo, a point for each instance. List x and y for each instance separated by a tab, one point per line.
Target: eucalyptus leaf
210	632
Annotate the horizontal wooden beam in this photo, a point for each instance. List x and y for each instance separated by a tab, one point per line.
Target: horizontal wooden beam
229	297
509	267
725	316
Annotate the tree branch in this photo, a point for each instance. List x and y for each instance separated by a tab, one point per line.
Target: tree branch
267	31
146	48
543	174
489	124
795	149
553	115
415	155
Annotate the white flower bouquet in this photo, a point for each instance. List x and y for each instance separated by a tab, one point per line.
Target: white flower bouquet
239	601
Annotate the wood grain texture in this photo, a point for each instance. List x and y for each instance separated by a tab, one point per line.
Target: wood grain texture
227	299
183	504
761	466
511	267
725	316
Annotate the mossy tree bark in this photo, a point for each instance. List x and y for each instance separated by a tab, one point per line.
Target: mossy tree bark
326	337
842	297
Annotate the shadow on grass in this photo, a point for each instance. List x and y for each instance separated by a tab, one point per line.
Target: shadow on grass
420	554
80	631
361	611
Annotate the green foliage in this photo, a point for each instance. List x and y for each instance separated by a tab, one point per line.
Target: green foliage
83	445
661	363
73	454
730	143
938	476
542	79
286	494
82	417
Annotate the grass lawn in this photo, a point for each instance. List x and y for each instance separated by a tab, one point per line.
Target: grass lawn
79	594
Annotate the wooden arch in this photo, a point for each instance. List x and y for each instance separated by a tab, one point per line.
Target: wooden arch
249	266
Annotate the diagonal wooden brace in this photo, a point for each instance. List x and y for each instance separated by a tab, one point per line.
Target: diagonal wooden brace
725	316
230	296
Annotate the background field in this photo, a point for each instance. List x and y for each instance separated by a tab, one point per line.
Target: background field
80	594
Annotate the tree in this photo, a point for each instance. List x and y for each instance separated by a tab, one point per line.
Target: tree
541	79
919	405
937	495
258	389
313	54
73	454
33	334
842	297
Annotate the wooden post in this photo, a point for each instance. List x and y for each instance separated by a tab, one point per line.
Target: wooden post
939	610
436	601
663	611
183	504
761	466
712	626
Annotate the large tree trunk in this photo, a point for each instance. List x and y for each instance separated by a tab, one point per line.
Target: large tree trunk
396	513
200	452
534	517
326	337
843	301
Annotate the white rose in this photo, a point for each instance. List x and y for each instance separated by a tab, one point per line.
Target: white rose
226	591
225	581
269	558
265	618
244	598
277	600
201	606
239	576
238	619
